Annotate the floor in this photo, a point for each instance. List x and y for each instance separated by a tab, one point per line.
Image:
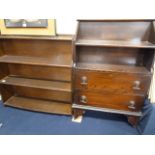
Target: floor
22	122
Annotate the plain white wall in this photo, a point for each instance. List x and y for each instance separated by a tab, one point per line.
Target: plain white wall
65	26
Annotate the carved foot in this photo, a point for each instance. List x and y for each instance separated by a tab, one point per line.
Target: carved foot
77	113
133	120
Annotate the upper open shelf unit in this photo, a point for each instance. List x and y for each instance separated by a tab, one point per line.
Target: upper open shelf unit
116	33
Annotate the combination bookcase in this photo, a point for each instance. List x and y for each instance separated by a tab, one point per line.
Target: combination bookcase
113	64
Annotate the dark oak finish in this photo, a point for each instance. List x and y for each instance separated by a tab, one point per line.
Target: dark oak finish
4	71
55	61
107	55
109	100
112	81
36	72
56	51
39	105
113	65
115	30
133	120
77	112
50	85
113	68
40	72
39	88
115	43
54	95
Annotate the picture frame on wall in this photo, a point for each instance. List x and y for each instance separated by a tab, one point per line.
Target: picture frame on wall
19	23
42	27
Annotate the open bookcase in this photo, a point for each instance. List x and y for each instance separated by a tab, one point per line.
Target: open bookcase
113	62
35	71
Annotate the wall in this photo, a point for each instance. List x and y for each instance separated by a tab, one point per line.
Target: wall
66	26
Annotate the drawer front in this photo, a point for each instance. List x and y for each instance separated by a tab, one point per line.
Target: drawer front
111	81
40	72
109	100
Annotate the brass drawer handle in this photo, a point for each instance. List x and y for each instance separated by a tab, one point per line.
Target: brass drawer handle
136	85
84	80
83	99
132	105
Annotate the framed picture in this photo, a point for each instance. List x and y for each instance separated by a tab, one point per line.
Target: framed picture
19	23
42	27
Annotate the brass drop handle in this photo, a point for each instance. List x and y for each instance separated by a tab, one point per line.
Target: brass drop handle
136	85
83	99
84	80
131	105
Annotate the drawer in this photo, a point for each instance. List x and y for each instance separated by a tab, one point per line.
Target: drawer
114	82
109	100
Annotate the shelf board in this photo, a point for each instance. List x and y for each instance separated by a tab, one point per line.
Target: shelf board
56	61
115	43
113	68
39	105
33	83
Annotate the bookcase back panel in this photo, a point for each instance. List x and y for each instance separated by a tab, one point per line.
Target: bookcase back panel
129	30
120	56
38	48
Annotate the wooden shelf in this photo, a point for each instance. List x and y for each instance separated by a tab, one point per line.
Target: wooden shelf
113	68
55	61
39	105
33	83
115	43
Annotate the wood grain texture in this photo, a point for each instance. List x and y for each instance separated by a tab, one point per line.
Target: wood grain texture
53	62
40	72
112	65
4	71
109	100
6	92
34	83
39	105
38	48
114	82
133	120
39	88
107	55
37	93
113	68
115	30
115	43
